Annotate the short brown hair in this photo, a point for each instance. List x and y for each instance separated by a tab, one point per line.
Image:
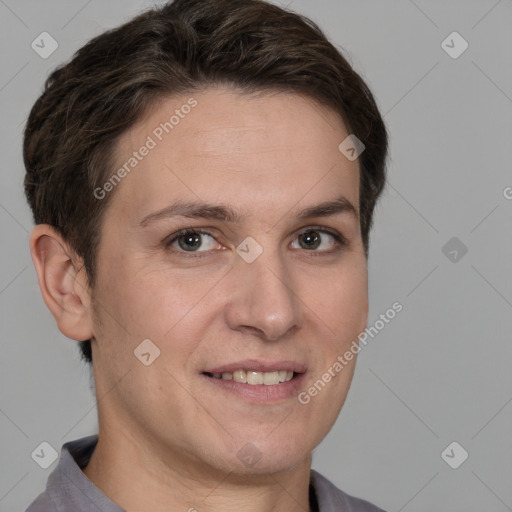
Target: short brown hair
183	46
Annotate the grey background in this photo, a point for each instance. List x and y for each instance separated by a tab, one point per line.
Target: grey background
440	371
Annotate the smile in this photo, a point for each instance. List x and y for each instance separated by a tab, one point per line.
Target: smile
258	381
255	378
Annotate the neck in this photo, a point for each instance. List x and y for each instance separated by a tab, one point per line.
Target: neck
130	474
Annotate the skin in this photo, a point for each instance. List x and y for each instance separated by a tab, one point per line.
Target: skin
166	426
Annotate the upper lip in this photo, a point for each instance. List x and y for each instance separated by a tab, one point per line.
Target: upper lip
258	365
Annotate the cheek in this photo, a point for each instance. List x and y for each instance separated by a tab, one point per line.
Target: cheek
171	308
152	301
341	300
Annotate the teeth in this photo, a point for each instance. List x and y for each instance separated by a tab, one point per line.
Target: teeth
256	378
240	376
270	378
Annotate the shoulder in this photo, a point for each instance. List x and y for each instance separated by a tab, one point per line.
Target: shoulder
67	486
42	503
331	499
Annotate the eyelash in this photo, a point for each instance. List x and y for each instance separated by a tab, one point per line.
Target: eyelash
341	241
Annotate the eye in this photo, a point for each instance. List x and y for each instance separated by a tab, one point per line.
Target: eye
314	238
190	240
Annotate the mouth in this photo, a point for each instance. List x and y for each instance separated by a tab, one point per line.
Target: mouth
257	381
254	378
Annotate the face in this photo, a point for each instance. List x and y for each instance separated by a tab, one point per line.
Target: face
258	289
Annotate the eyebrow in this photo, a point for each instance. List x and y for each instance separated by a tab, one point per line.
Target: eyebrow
220	212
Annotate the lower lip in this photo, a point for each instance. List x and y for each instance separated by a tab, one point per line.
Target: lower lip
260	393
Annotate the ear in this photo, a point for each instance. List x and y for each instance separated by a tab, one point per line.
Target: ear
63	282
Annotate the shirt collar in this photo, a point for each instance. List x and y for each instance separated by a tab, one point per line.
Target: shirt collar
68	486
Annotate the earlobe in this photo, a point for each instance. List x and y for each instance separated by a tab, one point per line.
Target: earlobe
62	281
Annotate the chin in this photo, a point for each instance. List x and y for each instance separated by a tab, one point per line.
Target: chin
278	463
264	456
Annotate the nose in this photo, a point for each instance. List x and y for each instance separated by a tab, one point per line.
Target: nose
264	302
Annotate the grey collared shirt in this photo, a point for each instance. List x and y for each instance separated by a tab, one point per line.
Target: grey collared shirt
69	490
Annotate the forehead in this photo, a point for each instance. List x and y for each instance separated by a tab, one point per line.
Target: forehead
239	149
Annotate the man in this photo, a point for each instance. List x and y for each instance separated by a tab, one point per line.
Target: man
203	180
